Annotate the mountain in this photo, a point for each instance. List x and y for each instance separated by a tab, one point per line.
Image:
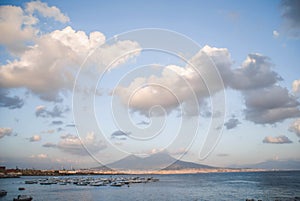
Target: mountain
160	161
276	164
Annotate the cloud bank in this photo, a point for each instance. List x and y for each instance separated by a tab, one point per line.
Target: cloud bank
73	145
277	140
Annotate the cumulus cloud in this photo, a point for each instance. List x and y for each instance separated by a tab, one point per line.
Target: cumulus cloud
295	127
48	68
232	123
177	85
5	132
57	111
290	12
46	11
275	34
11	102
277	140
35	138
17	24
73	145
270	105
255	73
15	28
48	65
296	87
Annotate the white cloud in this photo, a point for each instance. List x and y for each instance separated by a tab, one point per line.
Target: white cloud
179	85
5	132
275	34
35	138
46	11
74	145
15	28
16	24
57	111
55	59
296	87
39	156
277	140
295	127
176	85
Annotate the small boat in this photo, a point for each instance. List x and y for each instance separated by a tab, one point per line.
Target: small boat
31	182
116	184
23	198
100	183
46	183
3	193
82	184
21	188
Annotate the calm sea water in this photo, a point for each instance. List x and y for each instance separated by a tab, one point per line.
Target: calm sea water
213	186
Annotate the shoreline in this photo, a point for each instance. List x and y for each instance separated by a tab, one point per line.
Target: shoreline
29	172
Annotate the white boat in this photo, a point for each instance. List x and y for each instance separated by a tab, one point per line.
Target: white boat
23	198
31	182
99	183
116	184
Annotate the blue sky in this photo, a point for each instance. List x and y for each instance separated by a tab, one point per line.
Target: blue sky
253	45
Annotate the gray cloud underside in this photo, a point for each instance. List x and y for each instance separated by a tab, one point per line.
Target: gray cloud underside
290	12
232	123
11	102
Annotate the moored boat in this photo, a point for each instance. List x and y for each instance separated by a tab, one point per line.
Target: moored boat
23	198
116	184
31	182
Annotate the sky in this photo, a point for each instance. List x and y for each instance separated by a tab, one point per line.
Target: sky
212	82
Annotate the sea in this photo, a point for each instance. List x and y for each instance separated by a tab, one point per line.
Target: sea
273	185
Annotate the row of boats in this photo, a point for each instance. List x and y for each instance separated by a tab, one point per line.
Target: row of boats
90	181
18	198
82	181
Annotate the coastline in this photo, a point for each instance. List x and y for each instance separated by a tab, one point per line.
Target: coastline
13	173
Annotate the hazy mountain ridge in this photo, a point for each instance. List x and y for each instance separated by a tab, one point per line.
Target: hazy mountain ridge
274	164
153	162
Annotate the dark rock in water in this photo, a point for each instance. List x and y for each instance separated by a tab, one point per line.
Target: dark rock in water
250	200
21	188
3	193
